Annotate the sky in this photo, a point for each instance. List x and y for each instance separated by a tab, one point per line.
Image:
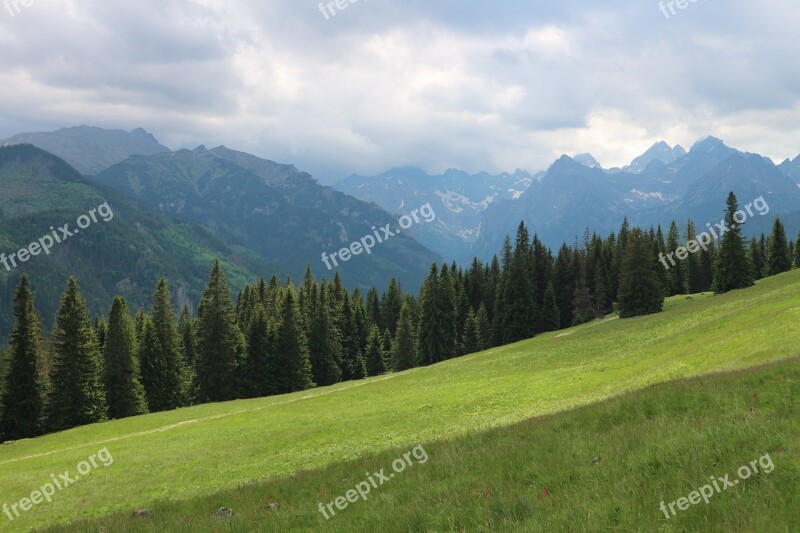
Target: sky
480	86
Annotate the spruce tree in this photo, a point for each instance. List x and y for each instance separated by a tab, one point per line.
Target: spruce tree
693	267
404	349
374	309
519	292
436	329
732	269
22	393
391	303
220	343
797	251
324	344
76	397
484	329
358	365
581	300
564	275
757	259
676	275
376	365
152	367
261	340
186	331
121	375
640	291
551	316
168	359
779	259
290	368
100	328
472	342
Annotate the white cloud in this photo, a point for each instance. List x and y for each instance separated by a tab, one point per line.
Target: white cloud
455	84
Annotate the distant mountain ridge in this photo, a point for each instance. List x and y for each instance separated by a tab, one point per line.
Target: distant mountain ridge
91	150
662	185
277	211
123	256
458	198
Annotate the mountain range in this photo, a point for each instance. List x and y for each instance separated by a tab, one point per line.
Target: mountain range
175	211
458	198
665	183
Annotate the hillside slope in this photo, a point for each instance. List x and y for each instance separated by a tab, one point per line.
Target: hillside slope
193	452
124	255
603	467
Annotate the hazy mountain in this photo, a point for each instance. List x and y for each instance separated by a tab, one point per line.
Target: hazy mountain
459	199
660	151
282	214
587	160
91	150
791	169
662	184
124	255
568	198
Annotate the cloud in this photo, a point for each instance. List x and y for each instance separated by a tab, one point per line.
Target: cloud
388	82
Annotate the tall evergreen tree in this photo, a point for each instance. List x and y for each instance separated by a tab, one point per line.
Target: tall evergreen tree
358	365
564	277
519	292
100	328
640	291
779	259
186	331
435	333
391	303
471	340
220	343
375	362
693	268
581	300
261	340
484	329
551	316
77	397
290	368
732	270
758	261
797	251
404	354
324	344
22	393
121	375
167	362
374	309
500	311
676	275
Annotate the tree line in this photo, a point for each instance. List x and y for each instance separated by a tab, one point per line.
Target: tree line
277	338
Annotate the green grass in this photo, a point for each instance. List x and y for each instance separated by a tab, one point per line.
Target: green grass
604	467
175	458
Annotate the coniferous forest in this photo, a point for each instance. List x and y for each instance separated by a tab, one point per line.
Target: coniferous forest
277	337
